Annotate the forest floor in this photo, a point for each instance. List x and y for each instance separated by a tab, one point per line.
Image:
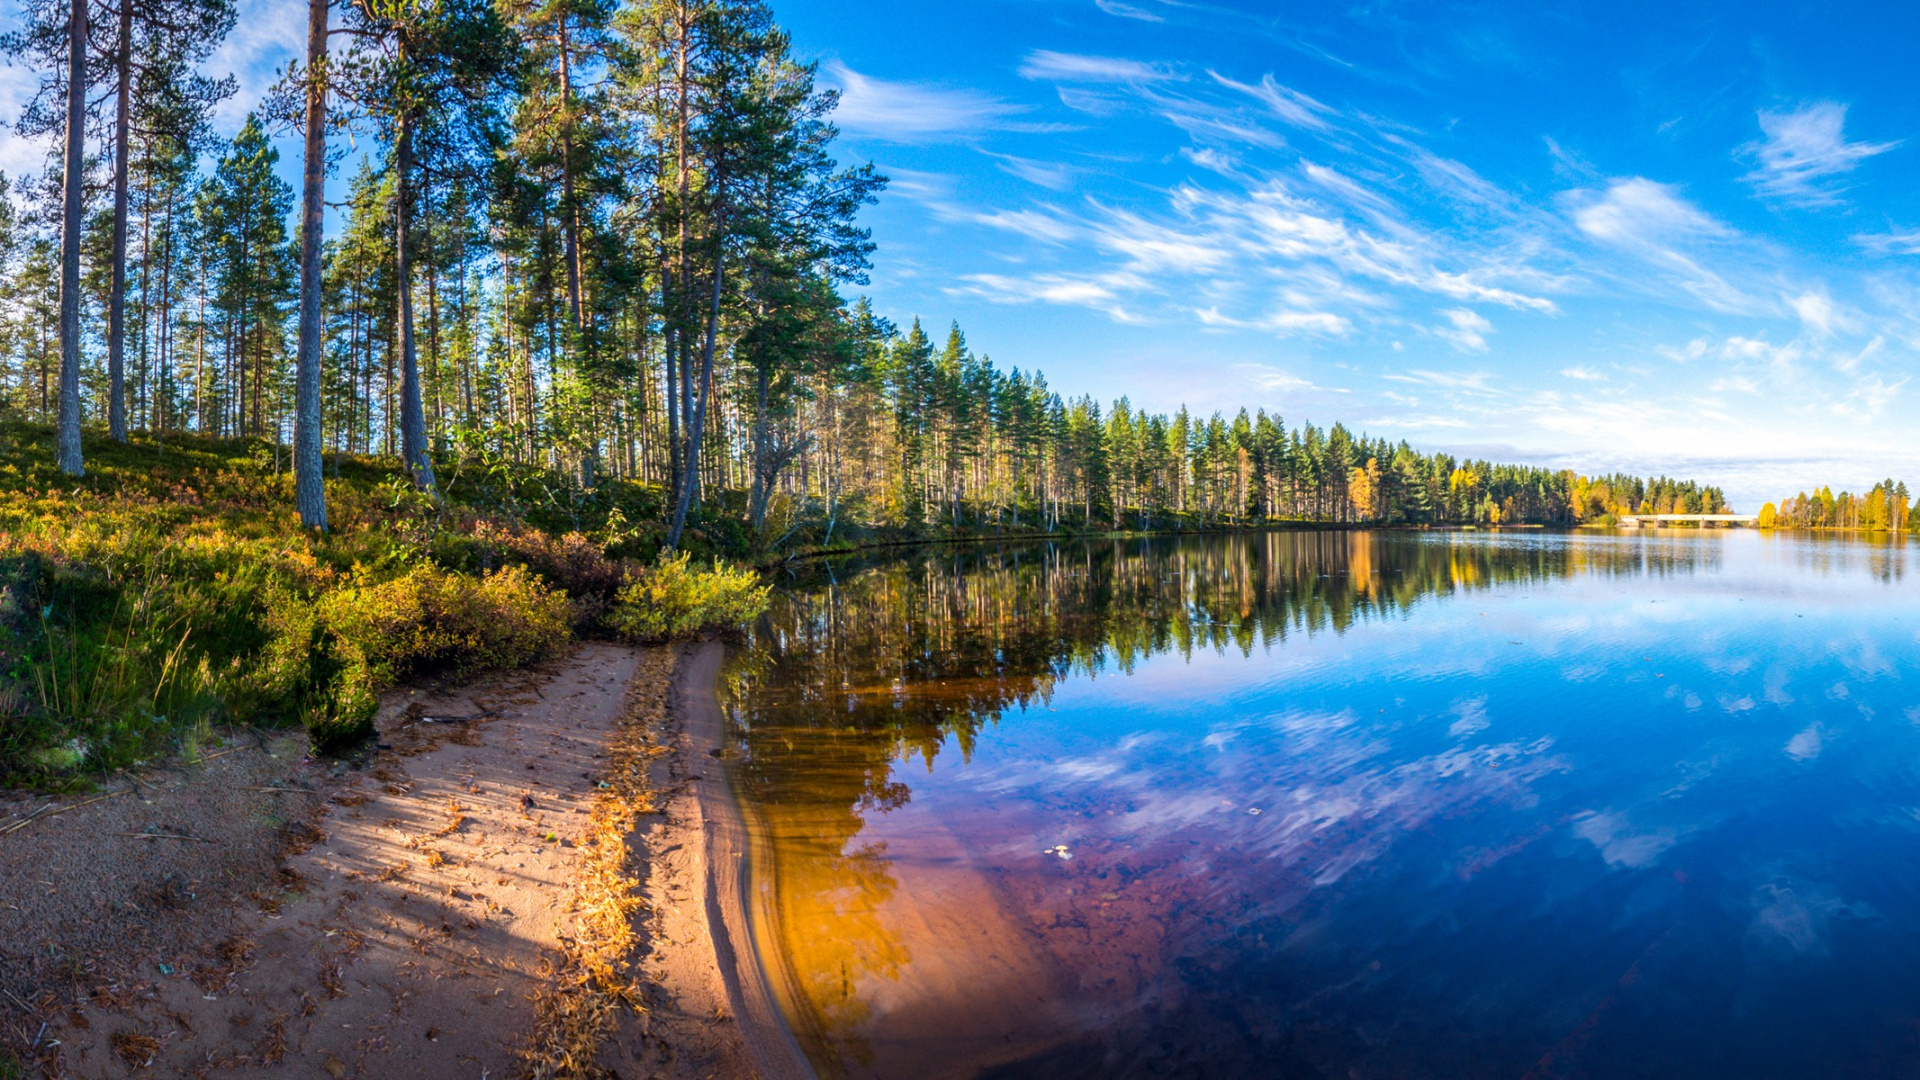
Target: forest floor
407	913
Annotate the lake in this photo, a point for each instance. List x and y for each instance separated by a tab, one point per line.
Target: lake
1322	804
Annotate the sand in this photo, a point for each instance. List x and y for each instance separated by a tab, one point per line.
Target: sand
265	913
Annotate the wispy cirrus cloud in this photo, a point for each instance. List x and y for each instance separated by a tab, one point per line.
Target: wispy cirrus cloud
1466	330
1804	154
1128	11
1048	65
18	155
1285	322
1656	224
1271	379
905	112
1891	242
1088	291
1289	105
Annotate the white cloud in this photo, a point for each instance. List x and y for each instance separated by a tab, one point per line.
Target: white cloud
1479	382
1816	311
1891	242
916	112
265	35
18	156
1205	121
1127	11
1468	330
1289	105
1283	322
1348	189
1583	374
1654	222
1039	224
920	186
1271	379
1151	246
1046	174
1064	289
1692	350
1637	212
1072	67
1803	153
1416	423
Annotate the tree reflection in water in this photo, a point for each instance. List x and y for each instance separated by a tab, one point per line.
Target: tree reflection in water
866	667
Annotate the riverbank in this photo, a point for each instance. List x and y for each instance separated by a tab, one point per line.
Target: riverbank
436	907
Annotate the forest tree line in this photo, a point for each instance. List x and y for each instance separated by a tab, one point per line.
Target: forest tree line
1885	507
607	238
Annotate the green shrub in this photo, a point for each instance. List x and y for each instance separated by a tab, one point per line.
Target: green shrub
173	587
335	655
672	599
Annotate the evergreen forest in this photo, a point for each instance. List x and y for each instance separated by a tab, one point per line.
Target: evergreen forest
608	241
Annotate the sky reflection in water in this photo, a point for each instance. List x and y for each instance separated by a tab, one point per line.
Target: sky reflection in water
1450	805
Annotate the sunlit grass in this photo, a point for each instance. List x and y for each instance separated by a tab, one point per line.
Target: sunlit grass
171	590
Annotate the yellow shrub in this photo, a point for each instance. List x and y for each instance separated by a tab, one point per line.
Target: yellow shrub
672	599
339	653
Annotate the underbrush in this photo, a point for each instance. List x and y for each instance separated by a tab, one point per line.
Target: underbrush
672	598
332	656
172	589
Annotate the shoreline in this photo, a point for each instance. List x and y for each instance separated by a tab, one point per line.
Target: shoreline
369	900
725	882
815	554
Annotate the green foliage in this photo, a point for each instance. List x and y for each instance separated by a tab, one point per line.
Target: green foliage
172	588
334	655
673	599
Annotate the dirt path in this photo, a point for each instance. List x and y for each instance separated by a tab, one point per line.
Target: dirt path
408	938
264	913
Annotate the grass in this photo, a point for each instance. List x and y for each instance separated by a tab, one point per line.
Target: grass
171	590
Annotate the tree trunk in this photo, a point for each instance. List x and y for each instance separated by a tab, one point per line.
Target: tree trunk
309	485
413	420
163	402
117	297
696	427
432	260
71	461
572	214
762	463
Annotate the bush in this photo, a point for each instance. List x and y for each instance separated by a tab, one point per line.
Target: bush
173	588
571	562
672	599
335	655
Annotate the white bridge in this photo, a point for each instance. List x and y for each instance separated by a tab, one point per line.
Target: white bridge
1635	521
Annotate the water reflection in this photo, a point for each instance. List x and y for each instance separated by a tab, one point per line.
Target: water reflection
1343	804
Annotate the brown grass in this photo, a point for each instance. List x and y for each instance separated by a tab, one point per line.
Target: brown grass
137	1050
582	1001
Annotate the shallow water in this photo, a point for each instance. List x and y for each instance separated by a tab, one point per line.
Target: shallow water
1344	805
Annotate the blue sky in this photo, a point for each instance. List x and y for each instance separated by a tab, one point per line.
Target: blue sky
1666	237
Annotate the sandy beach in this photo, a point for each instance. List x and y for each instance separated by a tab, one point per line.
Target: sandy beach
436	906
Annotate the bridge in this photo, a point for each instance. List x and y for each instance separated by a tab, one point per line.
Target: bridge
1635	521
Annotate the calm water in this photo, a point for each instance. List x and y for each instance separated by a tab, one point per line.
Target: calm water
1345	805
